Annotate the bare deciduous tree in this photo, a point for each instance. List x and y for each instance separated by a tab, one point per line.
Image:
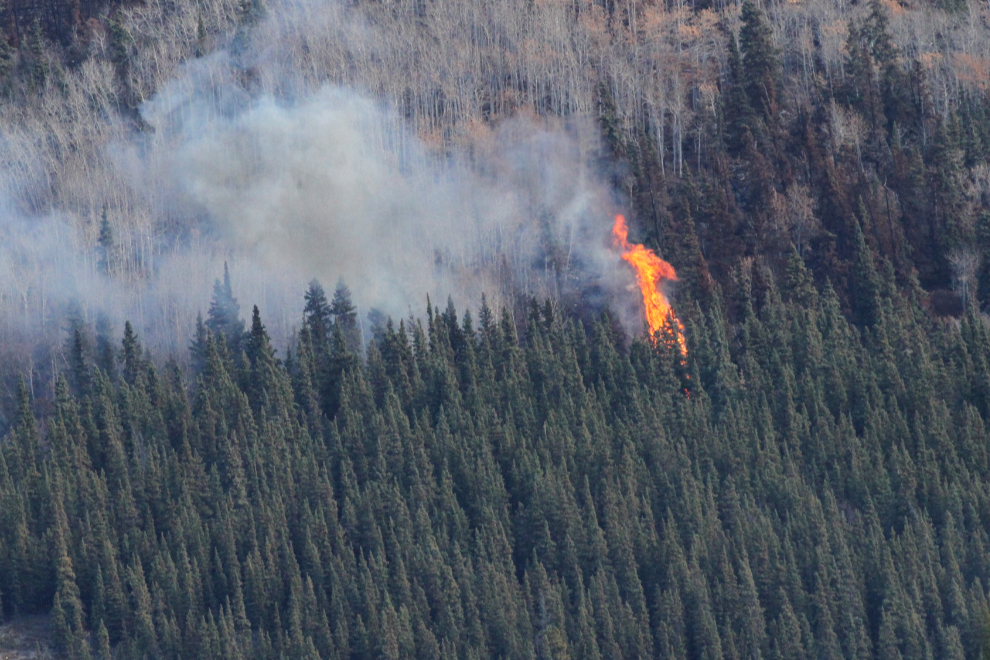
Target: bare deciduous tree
965	263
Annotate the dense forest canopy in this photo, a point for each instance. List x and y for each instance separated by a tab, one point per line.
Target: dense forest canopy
530	476
797	487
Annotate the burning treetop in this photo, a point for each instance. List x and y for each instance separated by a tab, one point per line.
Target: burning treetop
651	273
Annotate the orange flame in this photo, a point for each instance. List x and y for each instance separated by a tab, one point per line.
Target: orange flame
651	271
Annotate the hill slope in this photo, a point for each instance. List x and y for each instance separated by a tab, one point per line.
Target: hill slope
794	488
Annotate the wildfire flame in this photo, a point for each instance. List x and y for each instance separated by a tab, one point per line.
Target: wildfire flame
651	272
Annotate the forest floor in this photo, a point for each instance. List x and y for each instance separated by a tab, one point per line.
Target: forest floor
26	638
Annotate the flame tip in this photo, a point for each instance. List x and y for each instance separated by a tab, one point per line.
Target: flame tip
651	273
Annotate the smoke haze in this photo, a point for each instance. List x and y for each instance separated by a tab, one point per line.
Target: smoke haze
244	160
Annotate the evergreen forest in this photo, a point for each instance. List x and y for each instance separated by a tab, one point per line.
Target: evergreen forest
796	487
528	477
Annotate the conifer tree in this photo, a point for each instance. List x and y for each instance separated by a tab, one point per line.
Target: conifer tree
79	368
760	63
866	282
106	244
131	357
103	651
224	314
344	314
197	349
317	313
67	614
67	608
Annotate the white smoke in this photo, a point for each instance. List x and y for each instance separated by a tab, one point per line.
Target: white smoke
333	185
288	181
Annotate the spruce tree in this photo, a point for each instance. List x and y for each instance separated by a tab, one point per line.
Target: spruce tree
67	609
197	348
224	314
106	245
865	281
344	314
80	375
103	651
132	362
317	313
760	63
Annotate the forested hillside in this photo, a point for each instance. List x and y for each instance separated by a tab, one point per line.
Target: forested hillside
797	487
729	131
536	477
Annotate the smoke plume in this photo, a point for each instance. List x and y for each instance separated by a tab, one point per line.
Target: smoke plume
241	158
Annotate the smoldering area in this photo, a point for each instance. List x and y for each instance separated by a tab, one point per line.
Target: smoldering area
242	159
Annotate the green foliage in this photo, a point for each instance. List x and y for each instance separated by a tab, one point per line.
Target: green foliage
224	315
121	42
344	315
317	312
497	486
795	488
37	65
760	64
106	244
